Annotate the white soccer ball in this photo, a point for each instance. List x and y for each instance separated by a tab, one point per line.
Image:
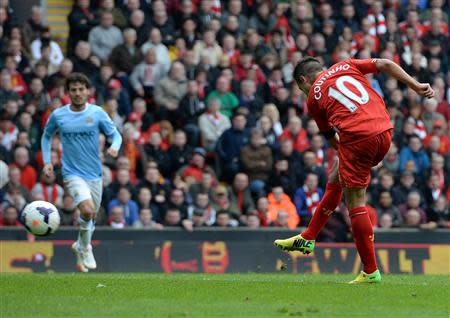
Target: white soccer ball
40	218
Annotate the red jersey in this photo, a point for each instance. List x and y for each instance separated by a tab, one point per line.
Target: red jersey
342	97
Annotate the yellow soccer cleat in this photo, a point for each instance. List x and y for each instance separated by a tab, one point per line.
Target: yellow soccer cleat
296	243
364	278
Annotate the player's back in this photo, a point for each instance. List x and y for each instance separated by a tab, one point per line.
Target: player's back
79	133
344	96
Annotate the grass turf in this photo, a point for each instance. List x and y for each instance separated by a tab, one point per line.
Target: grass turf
228	295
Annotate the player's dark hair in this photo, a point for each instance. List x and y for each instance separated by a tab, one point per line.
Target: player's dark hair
78	78
307	66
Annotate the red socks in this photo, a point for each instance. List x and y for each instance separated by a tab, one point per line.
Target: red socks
329	203
364	238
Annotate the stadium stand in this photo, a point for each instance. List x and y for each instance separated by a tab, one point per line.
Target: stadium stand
215	131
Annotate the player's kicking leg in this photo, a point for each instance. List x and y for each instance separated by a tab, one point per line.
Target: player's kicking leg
305	242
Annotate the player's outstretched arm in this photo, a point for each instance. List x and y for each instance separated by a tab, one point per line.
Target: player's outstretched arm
394	70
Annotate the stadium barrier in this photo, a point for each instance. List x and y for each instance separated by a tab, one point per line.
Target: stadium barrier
407	251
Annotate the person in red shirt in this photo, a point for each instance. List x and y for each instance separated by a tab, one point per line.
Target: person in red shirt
354	119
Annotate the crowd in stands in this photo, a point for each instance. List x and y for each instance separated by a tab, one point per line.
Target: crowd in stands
215	131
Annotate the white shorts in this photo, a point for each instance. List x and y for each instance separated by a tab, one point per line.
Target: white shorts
81	190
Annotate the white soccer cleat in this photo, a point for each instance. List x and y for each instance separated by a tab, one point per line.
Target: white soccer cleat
79	256
88	258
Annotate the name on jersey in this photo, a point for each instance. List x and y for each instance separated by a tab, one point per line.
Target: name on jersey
321	80
78	134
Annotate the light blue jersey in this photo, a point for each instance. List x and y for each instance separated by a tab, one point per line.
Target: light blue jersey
79	133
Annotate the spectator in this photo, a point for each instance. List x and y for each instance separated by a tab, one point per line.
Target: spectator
208	47
280	203
198	218
177	201
439	214
240	194
193	171
154	152
119	18
230	144
307	198
212	124
223	219
206	185
145	221
202	207
250	99
83	61
310	165
10	217
129	207
191	108
81	20
117	218
262	209
171	90
33	26
228	101
138	23
158	187
48	188
415	153
413	202
385	207
179	151
222	202
147	75
28	175
105	37
407	185
127	55
161	51
256	159
296	133
56	55
67	210
385	221
438	130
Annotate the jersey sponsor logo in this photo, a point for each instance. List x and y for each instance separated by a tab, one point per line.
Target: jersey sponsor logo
89	121
78	134
326	75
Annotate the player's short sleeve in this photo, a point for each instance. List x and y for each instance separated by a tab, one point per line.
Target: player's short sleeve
107	126
365	66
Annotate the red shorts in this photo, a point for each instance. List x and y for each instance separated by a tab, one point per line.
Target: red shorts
357	159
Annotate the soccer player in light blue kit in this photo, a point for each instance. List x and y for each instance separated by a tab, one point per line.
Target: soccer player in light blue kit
79	125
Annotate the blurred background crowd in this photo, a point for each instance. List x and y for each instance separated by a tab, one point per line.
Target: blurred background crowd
215	131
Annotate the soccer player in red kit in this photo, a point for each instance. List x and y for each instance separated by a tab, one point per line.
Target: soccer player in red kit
354	119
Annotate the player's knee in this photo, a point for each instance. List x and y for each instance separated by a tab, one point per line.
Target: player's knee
355	198
87	211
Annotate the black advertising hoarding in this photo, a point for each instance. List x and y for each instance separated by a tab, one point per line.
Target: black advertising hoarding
220	252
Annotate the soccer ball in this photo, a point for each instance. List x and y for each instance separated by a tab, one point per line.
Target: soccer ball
40	218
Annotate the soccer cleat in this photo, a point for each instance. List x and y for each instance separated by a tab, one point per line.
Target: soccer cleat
363	278
296	243
79	256
88	258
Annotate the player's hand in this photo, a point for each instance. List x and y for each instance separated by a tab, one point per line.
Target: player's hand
424	89
113	152
48	170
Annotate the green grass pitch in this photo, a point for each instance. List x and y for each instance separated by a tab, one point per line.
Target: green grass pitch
227	295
